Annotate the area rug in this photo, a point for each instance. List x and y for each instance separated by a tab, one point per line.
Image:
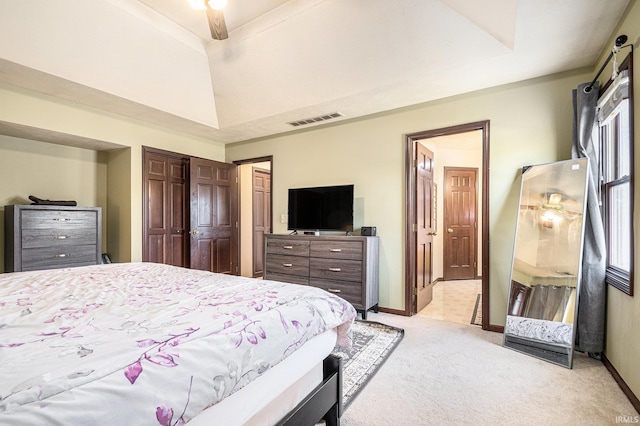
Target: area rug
476	318
373	342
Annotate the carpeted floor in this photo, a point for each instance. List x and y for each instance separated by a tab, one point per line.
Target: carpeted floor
373	342
446	373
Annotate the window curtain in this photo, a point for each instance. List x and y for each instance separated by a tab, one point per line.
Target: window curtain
592	298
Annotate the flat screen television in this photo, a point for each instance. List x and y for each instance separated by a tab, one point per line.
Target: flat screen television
324	208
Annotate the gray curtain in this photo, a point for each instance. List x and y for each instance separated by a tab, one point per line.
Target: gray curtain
592	300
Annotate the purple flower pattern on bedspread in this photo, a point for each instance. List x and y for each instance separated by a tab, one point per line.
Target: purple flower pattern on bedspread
172	340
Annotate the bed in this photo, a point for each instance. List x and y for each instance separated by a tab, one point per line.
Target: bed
151	344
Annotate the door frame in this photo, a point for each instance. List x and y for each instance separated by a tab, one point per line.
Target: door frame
254	171
410	213
269	159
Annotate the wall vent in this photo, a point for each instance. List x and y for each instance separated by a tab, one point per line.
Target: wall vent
317	119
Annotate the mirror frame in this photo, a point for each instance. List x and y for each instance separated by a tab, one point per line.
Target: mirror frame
556	353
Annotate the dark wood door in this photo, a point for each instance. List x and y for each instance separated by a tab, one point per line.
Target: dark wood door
460	223
214	216
165	209
425	226
261	216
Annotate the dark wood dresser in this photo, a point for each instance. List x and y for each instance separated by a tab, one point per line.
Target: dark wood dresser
47	237
346	266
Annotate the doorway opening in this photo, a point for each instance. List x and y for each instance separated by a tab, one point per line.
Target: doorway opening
255	179
456	230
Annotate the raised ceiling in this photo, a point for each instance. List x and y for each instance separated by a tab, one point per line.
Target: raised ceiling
286	61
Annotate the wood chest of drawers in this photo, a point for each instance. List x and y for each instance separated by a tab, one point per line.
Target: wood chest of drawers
346	266
47	237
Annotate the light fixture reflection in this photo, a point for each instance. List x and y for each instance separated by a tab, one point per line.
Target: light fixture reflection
217	4
198	4
202	4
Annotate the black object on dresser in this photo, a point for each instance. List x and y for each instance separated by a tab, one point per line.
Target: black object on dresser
47	237
346	266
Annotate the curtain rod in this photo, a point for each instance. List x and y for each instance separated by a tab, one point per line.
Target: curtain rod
622	39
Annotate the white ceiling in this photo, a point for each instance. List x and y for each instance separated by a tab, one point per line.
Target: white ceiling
290	60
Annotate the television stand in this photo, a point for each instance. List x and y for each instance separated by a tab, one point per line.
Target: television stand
343	265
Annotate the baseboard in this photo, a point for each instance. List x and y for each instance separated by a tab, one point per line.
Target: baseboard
625	389
394	311
477	277
495	328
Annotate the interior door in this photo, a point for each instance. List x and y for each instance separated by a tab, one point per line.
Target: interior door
425	226
165	208
214	216
460	223
261	216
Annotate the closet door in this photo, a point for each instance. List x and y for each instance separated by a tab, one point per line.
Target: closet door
165	214
214	216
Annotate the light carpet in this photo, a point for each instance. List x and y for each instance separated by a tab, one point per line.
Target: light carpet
445	373
373	342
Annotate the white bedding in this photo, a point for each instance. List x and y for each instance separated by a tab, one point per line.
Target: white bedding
145	343
276	392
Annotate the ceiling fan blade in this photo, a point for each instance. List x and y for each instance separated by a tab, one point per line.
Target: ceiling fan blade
216	24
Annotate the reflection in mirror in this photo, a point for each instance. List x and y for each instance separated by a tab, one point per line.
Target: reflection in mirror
547	258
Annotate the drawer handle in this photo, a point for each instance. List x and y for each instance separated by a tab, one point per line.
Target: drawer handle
287	247
335	269
287	265
61	219
62	255
333	290
61	237
335	250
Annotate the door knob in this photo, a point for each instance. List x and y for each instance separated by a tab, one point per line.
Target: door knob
195	232
449	230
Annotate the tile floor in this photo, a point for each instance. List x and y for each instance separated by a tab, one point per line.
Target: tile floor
453	301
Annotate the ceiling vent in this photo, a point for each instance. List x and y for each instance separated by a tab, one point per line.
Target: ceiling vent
317	119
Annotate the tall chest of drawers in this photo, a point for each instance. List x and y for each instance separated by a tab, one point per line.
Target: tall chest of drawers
346	266
47	237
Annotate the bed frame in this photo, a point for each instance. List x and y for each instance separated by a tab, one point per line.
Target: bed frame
324	402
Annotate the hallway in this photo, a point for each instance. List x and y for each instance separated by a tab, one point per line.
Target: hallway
454	301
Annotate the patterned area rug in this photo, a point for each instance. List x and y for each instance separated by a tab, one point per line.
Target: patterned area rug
373	342
476	318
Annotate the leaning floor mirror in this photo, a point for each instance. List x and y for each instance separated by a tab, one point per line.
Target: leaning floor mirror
547	257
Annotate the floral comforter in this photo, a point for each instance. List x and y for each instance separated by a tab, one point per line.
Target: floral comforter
144	343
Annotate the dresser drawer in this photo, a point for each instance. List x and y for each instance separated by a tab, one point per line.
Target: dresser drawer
289	265
349	291
53	237
335	269
287	247
349	250
60	219
58	257
285	278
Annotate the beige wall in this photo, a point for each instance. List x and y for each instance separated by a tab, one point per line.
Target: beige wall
114	177
622	346
530	122
51	172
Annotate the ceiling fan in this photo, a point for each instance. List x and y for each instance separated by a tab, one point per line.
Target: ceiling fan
215	17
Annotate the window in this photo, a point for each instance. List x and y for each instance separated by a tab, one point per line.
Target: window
615	112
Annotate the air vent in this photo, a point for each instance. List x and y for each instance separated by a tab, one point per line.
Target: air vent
318	119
